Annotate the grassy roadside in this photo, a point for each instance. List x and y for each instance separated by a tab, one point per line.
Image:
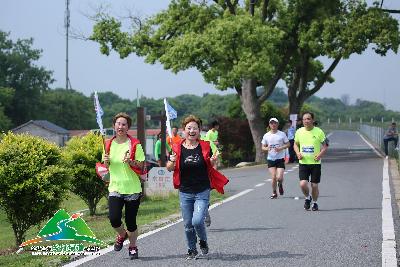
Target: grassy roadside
151	209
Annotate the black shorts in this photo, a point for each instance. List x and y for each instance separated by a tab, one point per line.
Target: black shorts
305	170
279	163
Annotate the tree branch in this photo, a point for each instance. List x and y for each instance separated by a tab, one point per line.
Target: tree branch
393	11
252	7
264	10
324	77
270	86
231	6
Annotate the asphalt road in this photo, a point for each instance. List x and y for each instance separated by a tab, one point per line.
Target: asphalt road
253	230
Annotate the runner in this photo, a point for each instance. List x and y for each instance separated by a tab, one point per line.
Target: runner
194	176
275	143
125	189
310	144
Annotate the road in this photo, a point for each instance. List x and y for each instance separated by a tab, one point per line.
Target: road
253	230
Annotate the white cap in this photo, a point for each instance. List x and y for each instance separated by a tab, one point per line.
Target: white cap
274	119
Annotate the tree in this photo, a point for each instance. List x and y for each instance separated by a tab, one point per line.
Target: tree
255	43
6	96
18	71
33	182
81	155
68	108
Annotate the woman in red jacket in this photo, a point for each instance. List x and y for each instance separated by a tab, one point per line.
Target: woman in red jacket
194	175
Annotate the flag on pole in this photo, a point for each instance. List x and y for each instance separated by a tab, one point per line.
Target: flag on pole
170	114
99	113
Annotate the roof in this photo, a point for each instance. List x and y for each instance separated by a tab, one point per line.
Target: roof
44	124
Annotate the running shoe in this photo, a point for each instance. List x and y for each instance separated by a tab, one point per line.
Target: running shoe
119	241
280	187
307	204
133	253
315	207
207	220
274	196
192	253
204	247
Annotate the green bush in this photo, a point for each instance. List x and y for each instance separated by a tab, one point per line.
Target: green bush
81	155
32	181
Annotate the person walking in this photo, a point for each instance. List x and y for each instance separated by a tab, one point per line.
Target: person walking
157	149
125	158
175	139
391	135
212	134
310	144
291	130
275	143
194	175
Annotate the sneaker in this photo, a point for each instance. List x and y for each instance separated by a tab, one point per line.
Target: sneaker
133	253
315	207
273	196
119	242
204	247
386	157
280	187
191	254
307	204
207	220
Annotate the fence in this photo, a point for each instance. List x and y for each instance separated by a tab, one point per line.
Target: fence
375	134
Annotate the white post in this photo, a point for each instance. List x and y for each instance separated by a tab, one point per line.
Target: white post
350	120
329	120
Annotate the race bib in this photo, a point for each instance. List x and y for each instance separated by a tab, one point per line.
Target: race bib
308	150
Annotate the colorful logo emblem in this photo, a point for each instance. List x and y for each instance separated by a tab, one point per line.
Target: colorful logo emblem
64	227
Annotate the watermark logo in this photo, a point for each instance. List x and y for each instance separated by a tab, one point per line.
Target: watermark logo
64	227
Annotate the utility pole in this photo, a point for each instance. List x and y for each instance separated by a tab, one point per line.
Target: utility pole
66	24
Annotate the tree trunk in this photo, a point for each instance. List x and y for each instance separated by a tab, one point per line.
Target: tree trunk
295	102
251	108
92	207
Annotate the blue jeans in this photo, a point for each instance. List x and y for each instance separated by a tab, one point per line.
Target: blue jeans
194	207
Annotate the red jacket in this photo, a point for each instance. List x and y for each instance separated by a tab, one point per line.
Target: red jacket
132	150
217	179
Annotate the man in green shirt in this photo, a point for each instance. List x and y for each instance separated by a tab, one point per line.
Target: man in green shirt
212	134
157	149
310	144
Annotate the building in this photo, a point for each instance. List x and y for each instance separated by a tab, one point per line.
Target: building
44	129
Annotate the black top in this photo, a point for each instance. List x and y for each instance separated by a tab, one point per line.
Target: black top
194	176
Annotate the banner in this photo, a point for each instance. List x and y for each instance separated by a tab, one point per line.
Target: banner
171	114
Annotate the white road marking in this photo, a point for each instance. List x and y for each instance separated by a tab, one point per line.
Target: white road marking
388	236
258	185
369	144
111	248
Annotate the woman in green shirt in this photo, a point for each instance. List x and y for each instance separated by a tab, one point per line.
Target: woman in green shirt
125	187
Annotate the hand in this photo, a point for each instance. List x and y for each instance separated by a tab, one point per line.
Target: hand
126	158
299	156
172	157
214	158
106	159
277	149
317	158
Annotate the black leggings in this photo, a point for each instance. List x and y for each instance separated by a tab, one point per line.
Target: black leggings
115	212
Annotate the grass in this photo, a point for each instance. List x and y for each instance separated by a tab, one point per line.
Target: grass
151	209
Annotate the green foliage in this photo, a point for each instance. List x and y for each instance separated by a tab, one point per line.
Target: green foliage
33	182
81	155
68	108
18	71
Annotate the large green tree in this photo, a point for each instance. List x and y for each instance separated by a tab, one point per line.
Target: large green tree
243	45
19	72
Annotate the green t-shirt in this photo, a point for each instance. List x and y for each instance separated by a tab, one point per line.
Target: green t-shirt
212	135
157	149
309	144
122	178
214	148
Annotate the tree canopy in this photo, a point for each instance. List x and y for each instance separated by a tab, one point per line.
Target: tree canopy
243	45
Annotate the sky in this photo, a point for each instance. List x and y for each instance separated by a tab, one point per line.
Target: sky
367	76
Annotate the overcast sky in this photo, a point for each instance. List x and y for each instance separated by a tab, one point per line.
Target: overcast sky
366	76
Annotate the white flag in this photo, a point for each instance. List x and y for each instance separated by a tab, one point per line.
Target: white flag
170	114
99	113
